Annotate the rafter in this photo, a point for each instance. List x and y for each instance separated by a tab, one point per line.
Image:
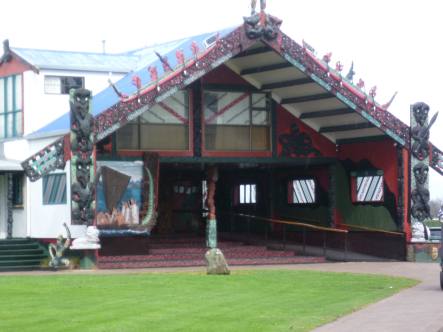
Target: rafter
355	126
254	51
262	69
365	139
302	99
326	113
287	84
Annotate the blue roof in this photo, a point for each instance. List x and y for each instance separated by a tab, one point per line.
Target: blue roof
81	61
145	57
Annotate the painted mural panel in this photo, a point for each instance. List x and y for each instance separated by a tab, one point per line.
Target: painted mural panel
119	194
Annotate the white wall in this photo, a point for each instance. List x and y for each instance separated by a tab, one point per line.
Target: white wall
46	221
19	225
35	219
41	109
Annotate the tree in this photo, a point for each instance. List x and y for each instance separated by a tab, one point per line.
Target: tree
435	205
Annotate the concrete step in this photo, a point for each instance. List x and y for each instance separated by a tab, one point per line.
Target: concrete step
193	256
201	262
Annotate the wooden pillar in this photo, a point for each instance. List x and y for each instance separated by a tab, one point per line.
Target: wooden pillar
400	186
10	219
211	224
332	195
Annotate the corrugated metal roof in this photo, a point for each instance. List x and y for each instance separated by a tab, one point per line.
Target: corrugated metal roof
145	58
81	61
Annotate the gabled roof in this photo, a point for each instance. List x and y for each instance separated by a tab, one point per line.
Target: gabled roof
144	58
76	61
304	84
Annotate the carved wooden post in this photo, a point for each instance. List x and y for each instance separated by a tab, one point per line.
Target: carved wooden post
420	210
82	158
211	224
10	219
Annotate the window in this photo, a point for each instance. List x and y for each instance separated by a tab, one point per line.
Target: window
367	186
301	191
246	194
17	190
165	126
54	189
63	84
236	121
11	108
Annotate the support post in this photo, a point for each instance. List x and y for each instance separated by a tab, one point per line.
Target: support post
10	219
332	195
216	262
211	225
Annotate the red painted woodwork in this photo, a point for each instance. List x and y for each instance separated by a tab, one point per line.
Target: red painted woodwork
223	75
13	67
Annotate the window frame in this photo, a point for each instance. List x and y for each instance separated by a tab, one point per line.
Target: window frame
64	197
214	88
17	190
12	109
237	194
291	192
354	189
63	90
137	125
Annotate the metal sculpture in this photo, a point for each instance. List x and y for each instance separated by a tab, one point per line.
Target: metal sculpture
82	158
261	24
420	209
57	250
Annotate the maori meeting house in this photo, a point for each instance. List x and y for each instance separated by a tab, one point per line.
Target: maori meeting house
241	139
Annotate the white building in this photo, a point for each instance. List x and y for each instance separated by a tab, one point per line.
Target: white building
34	91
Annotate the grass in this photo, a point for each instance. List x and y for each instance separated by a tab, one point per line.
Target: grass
275	300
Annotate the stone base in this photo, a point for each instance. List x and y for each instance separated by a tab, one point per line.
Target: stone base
216	262
423	252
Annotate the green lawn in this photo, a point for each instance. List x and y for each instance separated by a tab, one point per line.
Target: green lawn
277	300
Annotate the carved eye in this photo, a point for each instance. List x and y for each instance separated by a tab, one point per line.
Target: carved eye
78	98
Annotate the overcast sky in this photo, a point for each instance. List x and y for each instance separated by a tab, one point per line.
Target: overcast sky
396	45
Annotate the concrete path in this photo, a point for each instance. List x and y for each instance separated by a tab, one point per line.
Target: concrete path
418	309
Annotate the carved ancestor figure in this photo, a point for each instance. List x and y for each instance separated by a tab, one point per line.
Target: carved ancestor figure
212	178
57	250
82	162
420	195
261	24
83	190
82	121
420	132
